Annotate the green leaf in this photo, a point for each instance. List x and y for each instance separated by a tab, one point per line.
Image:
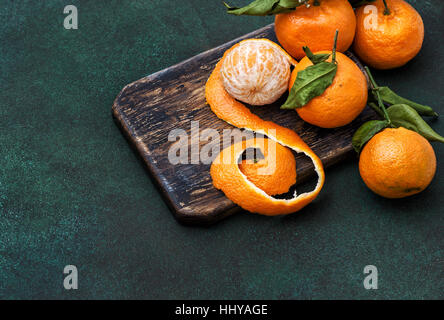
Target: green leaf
403	115
358	3
290	4
264	7
310	83
390	97
271	7
315	58
255	8
366	132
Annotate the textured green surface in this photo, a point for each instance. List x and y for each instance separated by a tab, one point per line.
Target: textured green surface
73	192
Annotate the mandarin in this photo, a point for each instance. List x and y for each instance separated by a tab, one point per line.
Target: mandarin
342	101
388	39
225	171
315	26
256	71
397	163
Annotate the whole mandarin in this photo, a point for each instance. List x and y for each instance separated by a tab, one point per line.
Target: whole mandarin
342	101
397	163
387	41
315	26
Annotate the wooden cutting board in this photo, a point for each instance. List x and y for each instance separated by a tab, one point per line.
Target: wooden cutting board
149	108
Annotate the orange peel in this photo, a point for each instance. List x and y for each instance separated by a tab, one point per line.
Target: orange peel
225	170
275	173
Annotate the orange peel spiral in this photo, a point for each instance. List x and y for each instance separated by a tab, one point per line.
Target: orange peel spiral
275	172
225	170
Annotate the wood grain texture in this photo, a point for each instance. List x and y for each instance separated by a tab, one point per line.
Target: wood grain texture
149	108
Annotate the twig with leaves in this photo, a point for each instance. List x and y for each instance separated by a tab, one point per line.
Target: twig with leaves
400	113
271	7
313	80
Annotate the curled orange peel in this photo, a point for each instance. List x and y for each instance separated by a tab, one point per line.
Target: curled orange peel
274	171
226	174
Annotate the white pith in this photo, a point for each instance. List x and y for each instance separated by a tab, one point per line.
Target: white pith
250	84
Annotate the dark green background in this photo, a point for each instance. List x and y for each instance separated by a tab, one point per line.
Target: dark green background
72	191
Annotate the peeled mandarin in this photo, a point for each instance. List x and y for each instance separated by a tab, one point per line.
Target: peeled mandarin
256	72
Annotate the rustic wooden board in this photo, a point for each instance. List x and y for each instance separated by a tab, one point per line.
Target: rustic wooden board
149	108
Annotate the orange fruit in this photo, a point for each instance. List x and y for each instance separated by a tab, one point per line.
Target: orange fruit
342	101
388	41
315	27
275	173
397	163
256	71
225	170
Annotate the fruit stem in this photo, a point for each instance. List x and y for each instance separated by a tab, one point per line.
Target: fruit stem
316	3
376	108
333	56
386	10
375	90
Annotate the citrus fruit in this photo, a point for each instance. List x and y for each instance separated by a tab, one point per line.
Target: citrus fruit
397	163
256	71
225	170
342	101
315	27
386	41
275	173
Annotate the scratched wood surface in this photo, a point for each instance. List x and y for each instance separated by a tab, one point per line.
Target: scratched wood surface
148	109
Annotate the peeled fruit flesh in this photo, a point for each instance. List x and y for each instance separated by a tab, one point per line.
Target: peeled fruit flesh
256	72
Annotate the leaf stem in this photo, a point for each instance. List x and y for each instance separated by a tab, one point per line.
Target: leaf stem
386	10
333	56
375	90
376	108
